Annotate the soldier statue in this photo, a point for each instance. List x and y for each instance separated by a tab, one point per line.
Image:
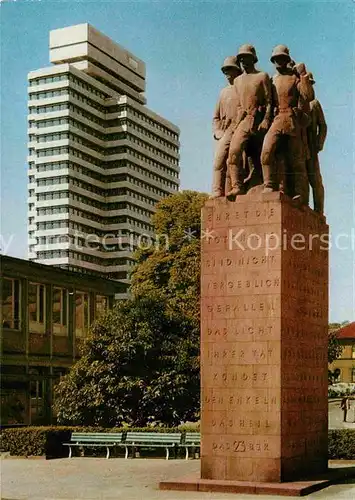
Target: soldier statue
291	93
316	134
254	93
224	119
268	131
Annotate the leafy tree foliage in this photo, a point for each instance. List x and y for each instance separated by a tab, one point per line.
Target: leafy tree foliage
12	409
141	361
139	364
172	267
334	348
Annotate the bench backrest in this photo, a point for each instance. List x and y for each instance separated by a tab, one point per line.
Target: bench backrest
153	437
192	438
136	437
96	437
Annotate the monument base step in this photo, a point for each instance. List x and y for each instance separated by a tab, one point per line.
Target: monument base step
290	488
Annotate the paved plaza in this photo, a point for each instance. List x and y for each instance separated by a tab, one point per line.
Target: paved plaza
101	479
336	416
117	479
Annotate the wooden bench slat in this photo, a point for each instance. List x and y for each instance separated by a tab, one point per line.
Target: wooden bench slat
164	438
156	438
101	438
90	444
192	437
99	434
96	437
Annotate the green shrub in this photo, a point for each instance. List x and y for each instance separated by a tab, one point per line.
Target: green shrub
341	444
39	441
36	441
190	427
48	441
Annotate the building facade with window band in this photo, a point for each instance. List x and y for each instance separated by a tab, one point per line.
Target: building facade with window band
99	159
45	316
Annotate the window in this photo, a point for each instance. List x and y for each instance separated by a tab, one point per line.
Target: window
52	151
48	79
337	375
36	389
81	314
37	394
60	311
36	307
59	372
122	275
101	305
353	351
10	303
353	374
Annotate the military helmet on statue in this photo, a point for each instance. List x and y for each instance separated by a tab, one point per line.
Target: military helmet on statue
311	77
230	62
245	50
280	50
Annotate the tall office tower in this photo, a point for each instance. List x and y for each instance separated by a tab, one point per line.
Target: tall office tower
99	159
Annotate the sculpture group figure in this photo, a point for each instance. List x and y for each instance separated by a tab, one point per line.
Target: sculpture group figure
268	131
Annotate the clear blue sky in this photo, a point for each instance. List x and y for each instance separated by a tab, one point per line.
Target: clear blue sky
183	45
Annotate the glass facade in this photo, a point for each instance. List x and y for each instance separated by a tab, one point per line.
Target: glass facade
36	307
60	311
101	305
10	303
81	314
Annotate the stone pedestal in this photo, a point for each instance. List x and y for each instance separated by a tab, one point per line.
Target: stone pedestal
264	324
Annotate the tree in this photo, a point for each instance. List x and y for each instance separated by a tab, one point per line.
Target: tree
172	267
12	409
140	363
334	348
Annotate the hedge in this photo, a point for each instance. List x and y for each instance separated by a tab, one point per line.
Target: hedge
38	441
341	444
47	441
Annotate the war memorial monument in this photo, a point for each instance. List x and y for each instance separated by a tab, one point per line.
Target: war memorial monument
264	286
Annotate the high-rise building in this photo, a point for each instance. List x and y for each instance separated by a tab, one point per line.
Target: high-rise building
99	159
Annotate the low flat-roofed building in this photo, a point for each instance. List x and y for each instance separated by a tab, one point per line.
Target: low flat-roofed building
46	313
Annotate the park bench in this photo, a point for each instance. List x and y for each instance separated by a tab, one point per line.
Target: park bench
151	440
104	439
191	440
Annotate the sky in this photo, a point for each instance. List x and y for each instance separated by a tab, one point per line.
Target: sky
183	44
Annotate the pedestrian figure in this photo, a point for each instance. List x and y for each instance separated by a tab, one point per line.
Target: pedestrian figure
345	406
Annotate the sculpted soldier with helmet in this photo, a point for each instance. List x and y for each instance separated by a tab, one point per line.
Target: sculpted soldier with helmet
316	135
254	93
272	119
291	93
224	119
